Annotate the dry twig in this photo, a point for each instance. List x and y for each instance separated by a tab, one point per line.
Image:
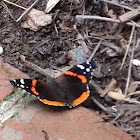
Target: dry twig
117	4
130	40
108	88
99	104
117	117
36	68
132	100
82	42
112	46
5	6
130	65
15	4
84	17
130	15
27	10
136	93
93	53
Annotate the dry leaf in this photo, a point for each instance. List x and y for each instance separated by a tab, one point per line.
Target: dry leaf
111	52
132	87
36	19
111	14
116	94
50	5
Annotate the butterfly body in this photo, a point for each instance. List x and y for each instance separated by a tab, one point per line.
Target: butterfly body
70	89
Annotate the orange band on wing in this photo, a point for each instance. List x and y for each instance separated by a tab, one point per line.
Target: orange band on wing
34	82
54	103
70	73
81	99
82	77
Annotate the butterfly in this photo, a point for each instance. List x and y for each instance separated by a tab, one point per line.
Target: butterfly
70	89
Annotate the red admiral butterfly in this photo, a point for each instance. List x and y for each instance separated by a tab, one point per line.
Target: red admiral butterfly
70	89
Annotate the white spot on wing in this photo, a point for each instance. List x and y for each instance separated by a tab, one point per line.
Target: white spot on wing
22	81
22	86
87	69
14	81
81	67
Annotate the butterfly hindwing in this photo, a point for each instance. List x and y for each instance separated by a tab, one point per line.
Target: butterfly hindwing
76	82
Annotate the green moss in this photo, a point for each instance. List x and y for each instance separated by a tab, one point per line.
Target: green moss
15	102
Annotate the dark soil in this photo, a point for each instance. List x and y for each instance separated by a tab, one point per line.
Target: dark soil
18	41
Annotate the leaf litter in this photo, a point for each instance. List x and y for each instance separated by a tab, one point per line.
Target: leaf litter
44	38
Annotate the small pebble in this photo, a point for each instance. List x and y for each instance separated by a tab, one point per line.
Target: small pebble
1	50
105	71
78	54
62	59
86	13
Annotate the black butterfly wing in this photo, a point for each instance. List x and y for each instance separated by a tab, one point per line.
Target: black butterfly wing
75	83
45	92
75	92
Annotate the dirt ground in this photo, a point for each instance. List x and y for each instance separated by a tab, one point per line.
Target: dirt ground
49	44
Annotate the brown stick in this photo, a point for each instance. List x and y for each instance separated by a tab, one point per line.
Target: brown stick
36	68
27	10
84	17
15	4
129	15
7	10
130	66
108	88
130	40
117	4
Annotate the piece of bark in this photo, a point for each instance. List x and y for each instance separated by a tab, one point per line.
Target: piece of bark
109	87
129	15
